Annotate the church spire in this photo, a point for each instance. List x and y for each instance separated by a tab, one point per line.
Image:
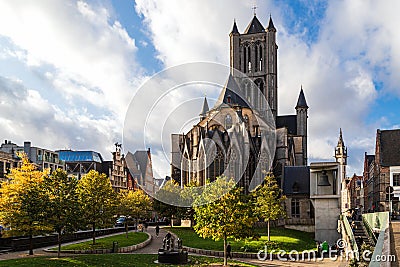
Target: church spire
205	109
340	142
271	27
254	26
234	28
301	101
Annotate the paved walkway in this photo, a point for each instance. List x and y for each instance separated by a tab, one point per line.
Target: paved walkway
156	243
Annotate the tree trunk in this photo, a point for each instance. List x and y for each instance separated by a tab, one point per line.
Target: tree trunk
269	238
94	233
225	255
126	228
59	243
30	243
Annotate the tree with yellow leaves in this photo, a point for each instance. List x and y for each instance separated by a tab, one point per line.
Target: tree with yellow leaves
23	202
223	212
136	204
65	212
97	200
269	201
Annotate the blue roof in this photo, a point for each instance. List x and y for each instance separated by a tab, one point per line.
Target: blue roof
79	156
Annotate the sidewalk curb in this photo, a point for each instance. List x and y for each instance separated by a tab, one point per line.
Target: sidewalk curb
107	251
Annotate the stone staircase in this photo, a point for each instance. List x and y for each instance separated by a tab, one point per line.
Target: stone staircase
361	235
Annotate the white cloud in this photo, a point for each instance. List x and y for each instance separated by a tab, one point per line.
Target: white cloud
87	66
92	55
357	45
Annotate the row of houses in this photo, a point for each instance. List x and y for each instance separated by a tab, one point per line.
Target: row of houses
378	188
80	162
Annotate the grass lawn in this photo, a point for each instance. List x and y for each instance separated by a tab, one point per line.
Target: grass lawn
120	260
107	242
281	238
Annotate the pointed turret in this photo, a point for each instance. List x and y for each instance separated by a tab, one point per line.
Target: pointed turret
271	27
341	150
255	26
340	141
301	101
234	28
302	117
205	109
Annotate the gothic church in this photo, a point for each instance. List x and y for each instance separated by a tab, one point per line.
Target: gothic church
238	147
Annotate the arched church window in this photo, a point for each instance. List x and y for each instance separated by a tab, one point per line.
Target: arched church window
256	55
249	58
245	59
219	166
228	121
260	49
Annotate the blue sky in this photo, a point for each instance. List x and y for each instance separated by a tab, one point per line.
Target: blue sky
66	78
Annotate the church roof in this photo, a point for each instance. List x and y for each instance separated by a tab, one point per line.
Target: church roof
205	108
301	102
142	159
296	180
288	121
234	28
255	26
271	26
389	141
229	94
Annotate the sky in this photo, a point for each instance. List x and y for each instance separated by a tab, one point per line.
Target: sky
69	69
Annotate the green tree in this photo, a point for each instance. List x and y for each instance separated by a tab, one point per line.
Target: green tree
173	193
170	191
97	200
269	201
23	202
65	212
230	216
136	204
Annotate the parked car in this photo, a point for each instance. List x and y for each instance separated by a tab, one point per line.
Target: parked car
120	221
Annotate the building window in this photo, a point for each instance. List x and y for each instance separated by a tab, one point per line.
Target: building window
228	121
295	208
396	179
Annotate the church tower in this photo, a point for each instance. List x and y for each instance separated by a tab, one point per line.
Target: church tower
254	53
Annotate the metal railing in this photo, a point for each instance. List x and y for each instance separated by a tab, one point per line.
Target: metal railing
349	233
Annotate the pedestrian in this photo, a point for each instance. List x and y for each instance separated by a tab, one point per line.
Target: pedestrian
228	250
157	230
145	226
